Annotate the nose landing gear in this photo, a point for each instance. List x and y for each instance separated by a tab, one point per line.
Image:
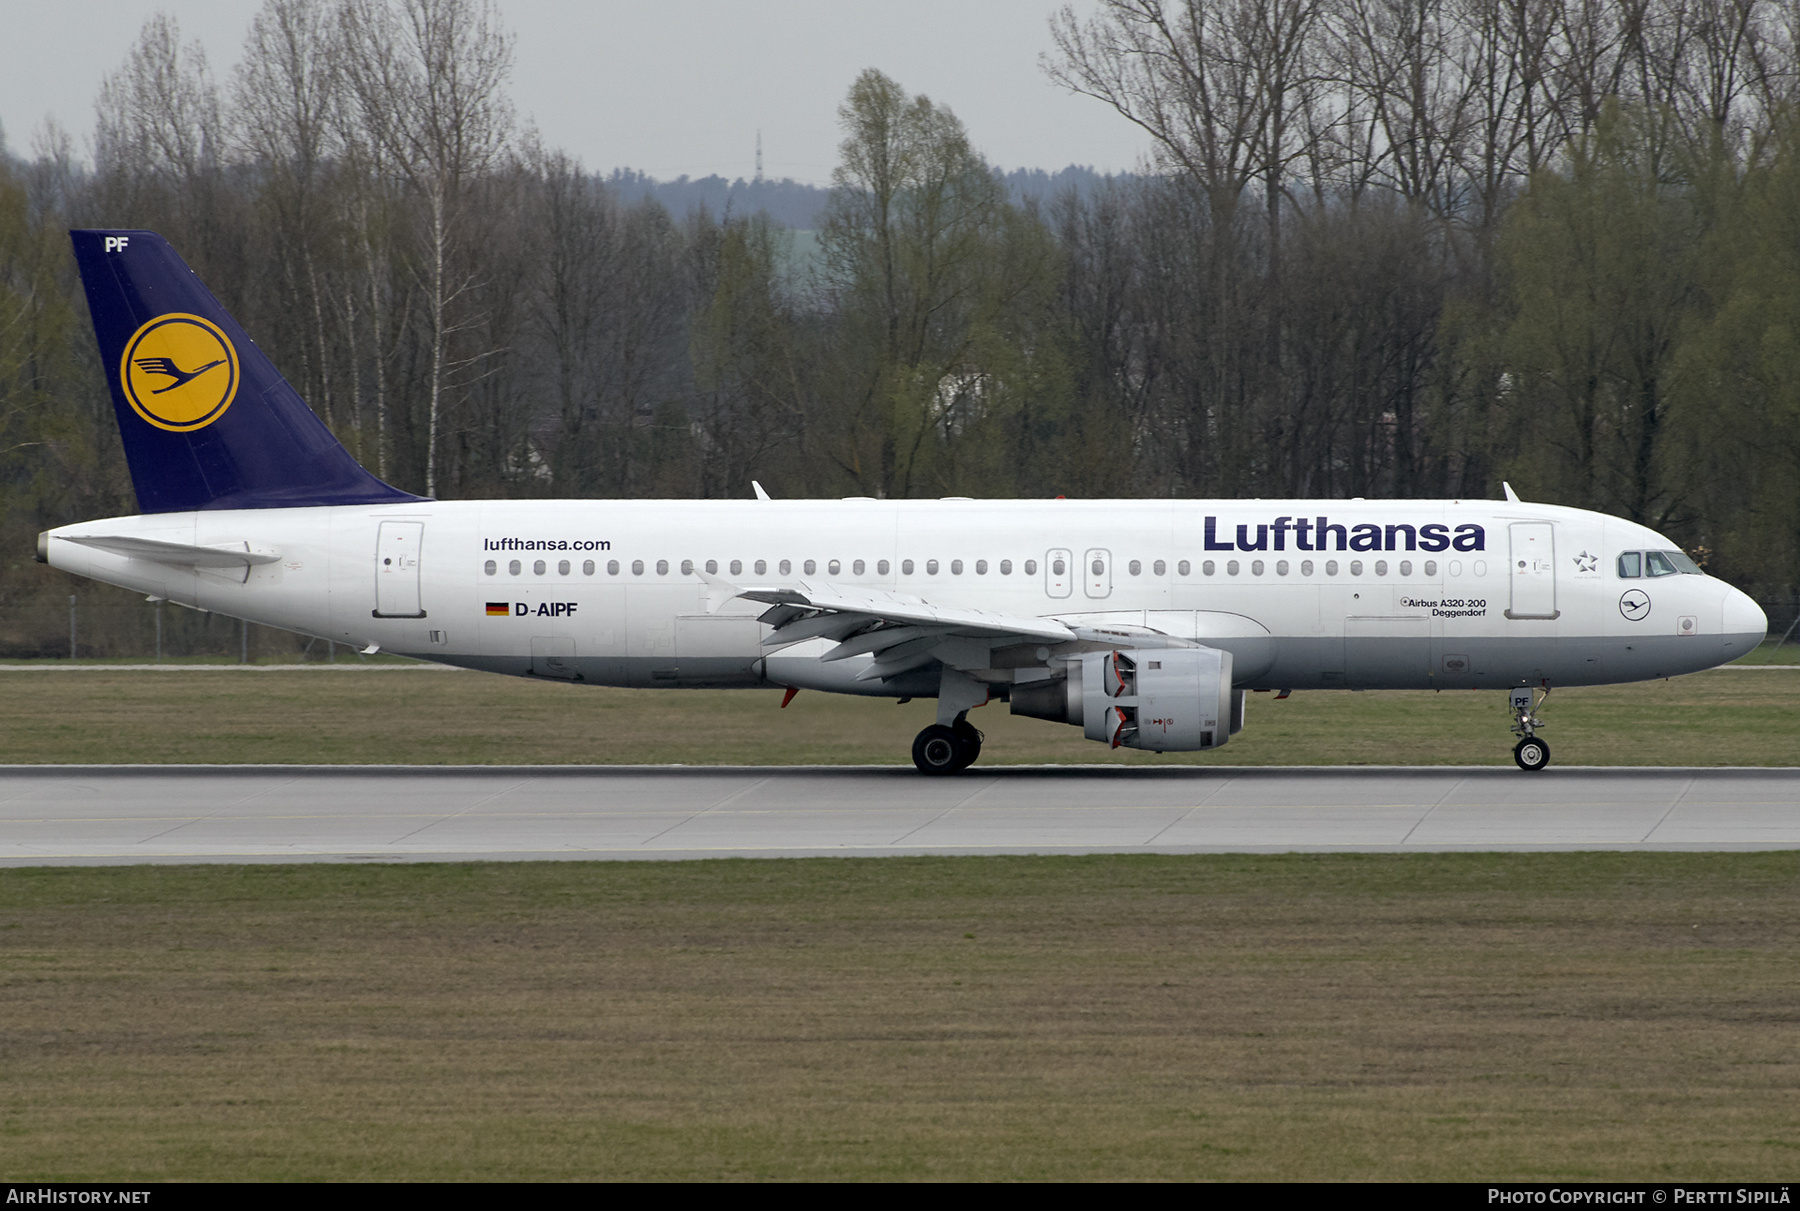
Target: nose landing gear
1530	753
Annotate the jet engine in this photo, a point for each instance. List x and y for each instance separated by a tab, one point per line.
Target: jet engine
1166	700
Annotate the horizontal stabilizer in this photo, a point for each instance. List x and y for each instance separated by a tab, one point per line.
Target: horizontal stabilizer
178	554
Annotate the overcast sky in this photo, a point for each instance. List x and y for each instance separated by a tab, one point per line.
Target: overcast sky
668	88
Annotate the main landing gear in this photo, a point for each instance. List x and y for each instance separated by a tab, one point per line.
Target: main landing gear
1531	753
941	749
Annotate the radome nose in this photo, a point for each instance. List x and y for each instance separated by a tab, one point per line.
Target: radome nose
1744	624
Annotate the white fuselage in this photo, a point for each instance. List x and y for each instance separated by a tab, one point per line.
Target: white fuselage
1364	594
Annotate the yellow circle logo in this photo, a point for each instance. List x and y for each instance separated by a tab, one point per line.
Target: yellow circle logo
179	372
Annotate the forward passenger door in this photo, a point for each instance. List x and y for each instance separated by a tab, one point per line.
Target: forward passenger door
1531	571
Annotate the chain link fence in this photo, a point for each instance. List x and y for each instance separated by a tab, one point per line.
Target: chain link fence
1784	624
97	625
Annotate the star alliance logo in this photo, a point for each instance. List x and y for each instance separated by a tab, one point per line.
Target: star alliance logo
1587	563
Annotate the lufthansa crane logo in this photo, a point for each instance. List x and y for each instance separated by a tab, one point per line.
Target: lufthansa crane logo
179	372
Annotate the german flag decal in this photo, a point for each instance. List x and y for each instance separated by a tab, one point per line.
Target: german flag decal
498	609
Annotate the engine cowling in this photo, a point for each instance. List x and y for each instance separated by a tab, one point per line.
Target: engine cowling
1165	700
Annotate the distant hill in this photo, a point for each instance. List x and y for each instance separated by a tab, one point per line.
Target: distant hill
786	201
798	206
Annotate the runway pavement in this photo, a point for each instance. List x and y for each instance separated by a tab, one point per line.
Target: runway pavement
55	815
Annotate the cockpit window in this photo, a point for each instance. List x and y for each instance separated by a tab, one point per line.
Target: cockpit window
1633	564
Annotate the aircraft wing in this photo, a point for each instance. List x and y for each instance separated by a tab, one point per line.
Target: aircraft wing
899	630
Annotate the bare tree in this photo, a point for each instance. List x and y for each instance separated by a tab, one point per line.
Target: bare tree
428	77
158	132
1220	87
286	95
1232	92
1401	63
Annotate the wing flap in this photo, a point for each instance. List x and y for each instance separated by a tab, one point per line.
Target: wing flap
901	631
904	608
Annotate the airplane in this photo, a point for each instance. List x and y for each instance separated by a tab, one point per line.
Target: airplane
1142	622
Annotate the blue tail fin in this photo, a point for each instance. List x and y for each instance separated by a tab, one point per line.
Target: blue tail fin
208	422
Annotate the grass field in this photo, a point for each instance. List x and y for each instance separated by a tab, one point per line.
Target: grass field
1430	1016
424	715
1602	1016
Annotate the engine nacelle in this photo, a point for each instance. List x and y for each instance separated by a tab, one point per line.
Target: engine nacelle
1166	700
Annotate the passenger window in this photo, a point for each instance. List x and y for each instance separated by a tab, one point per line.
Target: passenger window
856	569
762	567
537	569
1331	567
662	567
1208	567
1159	568
809	567
833	568
687	567
712	567
562	568
612	567
1256	567
1656	563
1281	567
1306	567
1031	567
587	567
906	567
1006	567
1431	567
787	567
1183	568
981	567
956	567
1381	567
1631	565
881	568
1406	567
1231	567
490	567
737	567
931	567
637	567
1058	568
513	567
1356	567
1135	567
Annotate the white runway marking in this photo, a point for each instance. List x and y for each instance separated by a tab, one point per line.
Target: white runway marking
124	814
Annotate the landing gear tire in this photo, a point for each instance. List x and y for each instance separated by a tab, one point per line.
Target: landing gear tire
938	750
1532	754
970	740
